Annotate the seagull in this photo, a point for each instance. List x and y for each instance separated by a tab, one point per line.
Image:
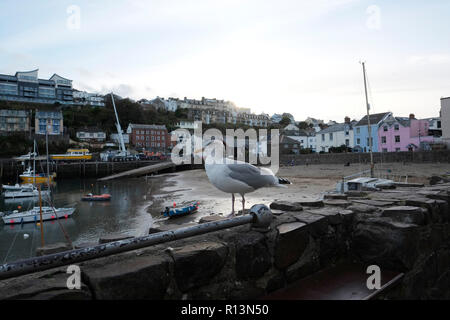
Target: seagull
233	176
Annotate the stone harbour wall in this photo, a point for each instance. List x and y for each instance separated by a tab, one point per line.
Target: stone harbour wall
404	229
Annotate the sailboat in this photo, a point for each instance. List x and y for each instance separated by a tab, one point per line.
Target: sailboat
362	183
30	176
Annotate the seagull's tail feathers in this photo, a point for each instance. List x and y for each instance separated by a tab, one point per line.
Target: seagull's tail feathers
282	181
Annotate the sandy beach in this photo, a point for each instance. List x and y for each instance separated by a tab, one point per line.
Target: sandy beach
308	182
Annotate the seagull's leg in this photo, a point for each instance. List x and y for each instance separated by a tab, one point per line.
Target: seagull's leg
243	204
232	204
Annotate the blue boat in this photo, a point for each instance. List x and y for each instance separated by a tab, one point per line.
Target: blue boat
173	213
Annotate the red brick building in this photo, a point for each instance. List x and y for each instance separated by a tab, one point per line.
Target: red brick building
150	137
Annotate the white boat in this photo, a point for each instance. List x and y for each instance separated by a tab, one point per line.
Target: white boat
15	187
27	156
364	184
27	190
33	215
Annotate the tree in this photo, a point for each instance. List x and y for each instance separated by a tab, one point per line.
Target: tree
285	121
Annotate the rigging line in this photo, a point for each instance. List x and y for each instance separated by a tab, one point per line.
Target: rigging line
370	94
12	245
53	207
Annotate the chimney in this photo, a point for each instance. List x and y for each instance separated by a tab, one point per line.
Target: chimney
347	120
411	116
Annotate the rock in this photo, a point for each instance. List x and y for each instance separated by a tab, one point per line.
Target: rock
196	264
42	286
318	224
286	206
356	194
406	214
376	203
128	276
211	218
311	203
335	196
112	238
387	243
252	256
338	203
331	213
52	248
363	208
291	241
306	265
435	180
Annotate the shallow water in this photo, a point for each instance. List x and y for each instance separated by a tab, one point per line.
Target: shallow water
125	214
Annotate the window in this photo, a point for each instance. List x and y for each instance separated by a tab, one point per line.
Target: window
347	142
358	130
42	125
358	141
396	127
397	149
383	139
397	138
331	136
385	128
323	137
438	124
370	143
384	150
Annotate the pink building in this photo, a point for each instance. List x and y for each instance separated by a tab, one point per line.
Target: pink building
402	134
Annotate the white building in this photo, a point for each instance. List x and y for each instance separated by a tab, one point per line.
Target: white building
91	135
186	124
115	138
335	136
445	120
85	98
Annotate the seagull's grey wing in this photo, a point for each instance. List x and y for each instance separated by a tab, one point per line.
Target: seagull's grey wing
250	175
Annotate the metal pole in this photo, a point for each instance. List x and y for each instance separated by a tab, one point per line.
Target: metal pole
368	121
40	210
260	216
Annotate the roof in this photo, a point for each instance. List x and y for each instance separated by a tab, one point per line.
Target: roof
403	121
337	127
286	139
147	126
374	119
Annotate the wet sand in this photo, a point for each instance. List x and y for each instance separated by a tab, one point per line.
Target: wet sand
308	182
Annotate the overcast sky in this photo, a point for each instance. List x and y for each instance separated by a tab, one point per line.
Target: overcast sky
277	56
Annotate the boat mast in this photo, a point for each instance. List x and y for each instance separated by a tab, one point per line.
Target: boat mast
34	162
123	150
368	121
41	224
46	146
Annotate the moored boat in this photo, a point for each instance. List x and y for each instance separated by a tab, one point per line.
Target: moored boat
94	197
27	190
29	176
172	213
34	215
73	154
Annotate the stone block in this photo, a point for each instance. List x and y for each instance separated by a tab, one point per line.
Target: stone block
128	276
252	256
337	203
406	214
291	241
113	237
286	206
52	248
196	264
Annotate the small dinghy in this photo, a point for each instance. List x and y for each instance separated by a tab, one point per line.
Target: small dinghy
92	197
173	213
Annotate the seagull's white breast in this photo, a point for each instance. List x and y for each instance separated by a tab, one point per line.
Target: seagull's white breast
218	175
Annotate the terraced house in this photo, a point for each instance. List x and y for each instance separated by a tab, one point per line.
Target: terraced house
50	122
14	121
404	134
335	135
361	132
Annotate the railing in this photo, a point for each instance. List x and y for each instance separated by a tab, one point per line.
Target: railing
260	217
